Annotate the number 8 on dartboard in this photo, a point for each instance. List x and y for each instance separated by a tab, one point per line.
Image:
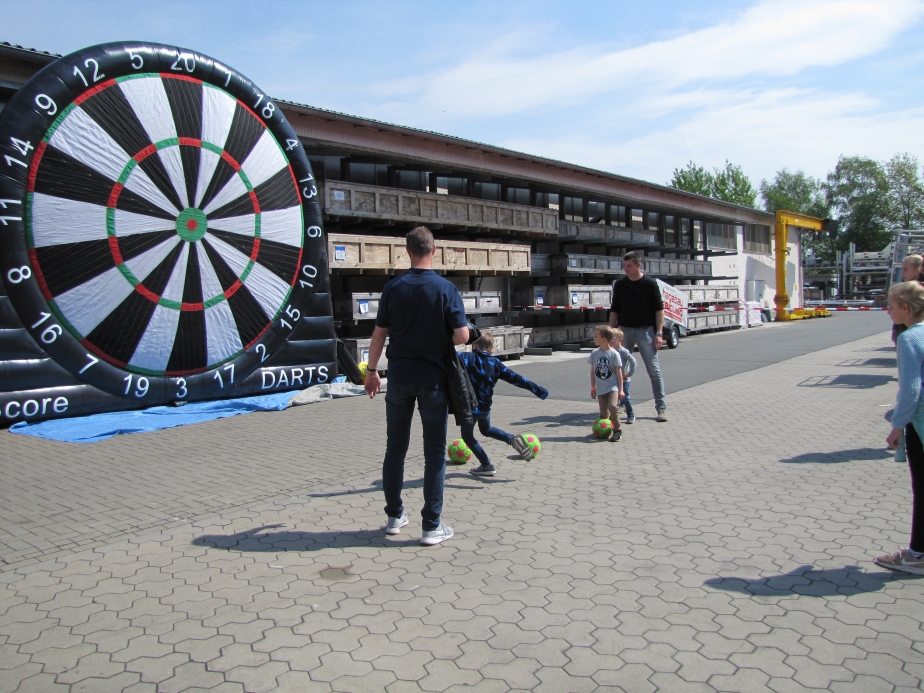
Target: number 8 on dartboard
151	210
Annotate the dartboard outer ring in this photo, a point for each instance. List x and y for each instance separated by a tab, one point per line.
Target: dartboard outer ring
50	99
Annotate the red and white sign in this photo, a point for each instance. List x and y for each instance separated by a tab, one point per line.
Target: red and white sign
675	304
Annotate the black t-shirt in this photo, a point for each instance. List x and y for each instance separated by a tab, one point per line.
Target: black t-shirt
636	302
420	310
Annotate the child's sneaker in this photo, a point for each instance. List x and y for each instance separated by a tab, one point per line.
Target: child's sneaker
484	470
616	437
519	443
630	419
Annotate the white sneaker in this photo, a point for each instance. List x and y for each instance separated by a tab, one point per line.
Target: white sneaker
436	536
395	524
662	415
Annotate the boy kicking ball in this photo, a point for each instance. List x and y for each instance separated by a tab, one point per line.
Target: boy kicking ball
606	378
484	370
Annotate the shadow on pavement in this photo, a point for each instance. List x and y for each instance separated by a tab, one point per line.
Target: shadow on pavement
566	419
273	542
808	582
839	456
853	381
870	363
376	486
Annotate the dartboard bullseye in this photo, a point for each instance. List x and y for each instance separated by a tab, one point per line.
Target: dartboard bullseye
169	225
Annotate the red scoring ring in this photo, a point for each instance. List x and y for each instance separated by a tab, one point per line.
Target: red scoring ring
114	240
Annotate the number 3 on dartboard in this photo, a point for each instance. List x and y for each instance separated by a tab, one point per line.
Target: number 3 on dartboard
181	390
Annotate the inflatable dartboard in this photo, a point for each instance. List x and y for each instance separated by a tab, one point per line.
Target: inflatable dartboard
160	234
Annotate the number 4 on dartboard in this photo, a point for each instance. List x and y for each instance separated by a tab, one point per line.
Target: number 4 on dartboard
23	147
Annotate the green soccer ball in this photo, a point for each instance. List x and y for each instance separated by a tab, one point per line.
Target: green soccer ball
532	440
459	452
603	428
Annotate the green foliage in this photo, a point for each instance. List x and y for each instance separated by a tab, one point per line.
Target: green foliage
858	192
800	193
732	185
728	184
694	179
906	192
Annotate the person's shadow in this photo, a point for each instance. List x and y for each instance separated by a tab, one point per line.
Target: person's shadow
259	540
809	582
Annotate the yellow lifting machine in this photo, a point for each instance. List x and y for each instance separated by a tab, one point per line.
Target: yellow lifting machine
784	220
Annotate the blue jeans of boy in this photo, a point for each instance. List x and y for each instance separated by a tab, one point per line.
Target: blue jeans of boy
627	401
484	425
433	405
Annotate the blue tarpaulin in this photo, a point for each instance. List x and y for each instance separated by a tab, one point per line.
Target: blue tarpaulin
89	429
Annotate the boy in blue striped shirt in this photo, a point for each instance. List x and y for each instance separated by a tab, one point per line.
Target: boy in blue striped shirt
484	370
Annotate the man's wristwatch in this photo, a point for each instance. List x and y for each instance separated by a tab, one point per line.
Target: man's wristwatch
371	370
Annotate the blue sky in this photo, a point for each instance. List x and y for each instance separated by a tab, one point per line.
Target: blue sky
636	88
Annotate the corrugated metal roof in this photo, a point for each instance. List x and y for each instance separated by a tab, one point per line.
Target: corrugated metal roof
513	152
34	51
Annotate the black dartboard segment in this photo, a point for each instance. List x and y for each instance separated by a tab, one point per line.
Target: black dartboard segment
166	220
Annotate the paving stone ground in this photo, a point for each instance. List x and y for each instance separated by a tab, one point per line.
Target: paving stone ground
717	552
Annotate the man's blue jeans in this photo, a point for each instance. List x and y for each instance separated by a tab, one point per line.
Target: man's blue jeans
484	425
644	338
432	403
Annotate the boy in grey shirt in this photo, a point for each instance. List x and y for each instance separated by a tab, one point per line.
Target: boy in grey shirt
606	378
628	369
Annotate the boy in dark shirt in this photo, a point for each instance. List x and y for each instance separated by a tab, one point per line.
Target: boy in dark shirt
485	370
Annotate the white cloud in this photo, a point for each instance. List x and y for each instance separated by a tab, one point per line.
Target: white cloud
760	131
772	38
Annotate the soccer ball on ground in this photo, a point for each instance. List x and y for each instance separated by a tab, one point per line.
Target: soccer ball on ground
603	428
459	452
533	442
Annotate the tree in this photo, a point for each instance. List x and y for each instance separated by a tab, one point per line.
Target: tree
800	193
729	184
732	185
694	179
858	192
906	192
795	192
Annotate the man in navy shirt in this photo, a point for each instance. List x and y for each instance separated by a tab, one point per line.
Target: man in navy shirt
420	313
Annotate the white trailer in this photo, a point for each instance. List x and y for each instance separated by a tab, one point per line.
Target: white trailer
689	309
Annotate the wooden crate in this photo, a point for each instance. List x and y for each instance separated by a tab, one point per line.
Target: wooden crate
509	340
715	293
358	306
580	295
375	202
482	302
574	263
560	334
350	253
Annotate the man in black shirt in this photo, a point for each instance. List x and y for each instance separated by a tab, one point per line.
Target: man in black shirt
422	313
637	310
